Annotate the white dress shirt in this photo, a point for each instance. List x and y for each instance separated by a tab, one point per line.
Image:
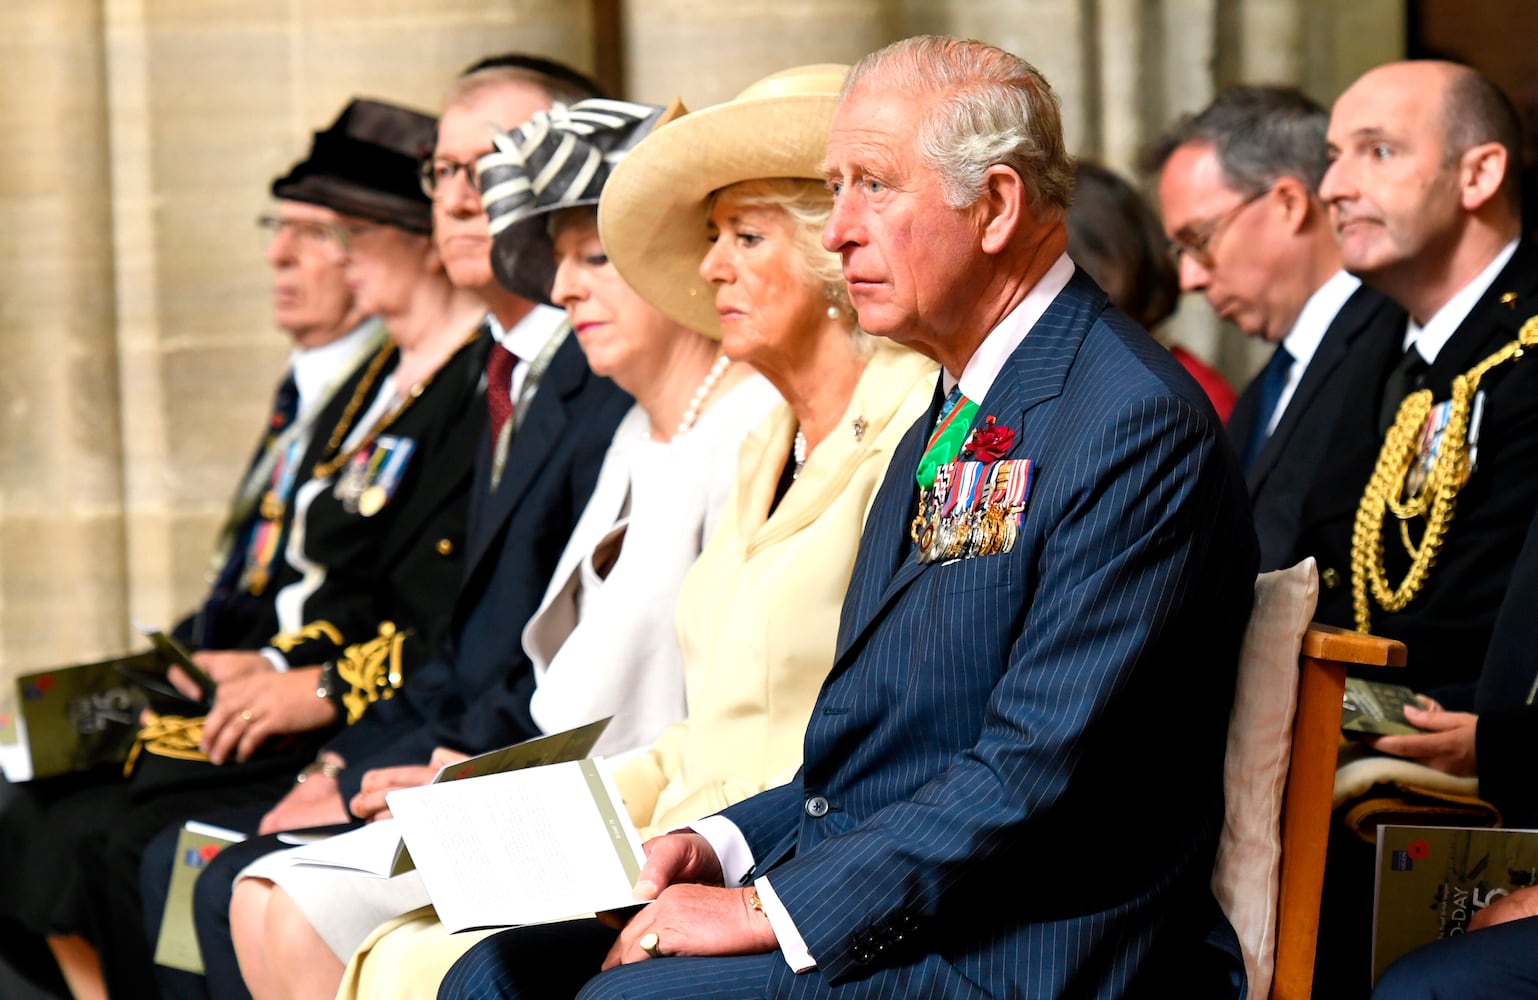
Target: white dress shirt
1308	330
1429	340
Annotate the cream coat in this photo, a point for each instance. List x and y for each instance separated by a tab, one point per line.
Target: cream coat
758	613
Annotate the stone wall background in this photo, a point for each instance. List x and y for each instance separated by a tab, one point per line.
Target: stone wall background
140	137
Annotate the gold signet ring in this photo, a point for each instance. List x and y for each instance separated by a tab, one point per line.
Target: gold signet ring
245	716
651	944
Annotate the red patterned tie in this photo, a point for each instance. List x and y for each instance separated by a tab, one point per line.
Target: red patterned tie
499	385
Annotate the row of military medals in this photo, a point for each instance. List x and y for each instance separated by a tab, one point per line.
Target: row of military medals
368	478
952	523
263	547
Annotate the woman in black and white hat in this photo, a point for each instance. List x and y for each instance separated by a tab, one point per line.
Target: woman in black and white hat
716	219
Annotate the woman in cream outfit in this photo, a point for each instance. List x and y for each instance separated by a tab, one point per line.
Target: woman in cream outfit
602	641
722	231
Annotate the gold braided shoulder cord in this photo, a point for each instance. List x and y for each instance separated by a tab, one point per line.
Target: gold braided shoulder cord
319	629
371	670
1433	501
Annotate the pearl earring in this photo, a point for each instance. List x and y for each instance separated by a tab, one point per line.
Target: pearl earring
833	312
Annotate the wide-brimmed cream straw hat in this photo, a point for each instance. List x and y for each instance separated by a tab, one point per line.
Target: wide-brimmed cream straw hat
653	211
558	159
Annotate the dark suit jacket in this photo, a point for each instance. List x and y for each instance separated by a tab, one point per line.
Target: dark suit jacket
402	562
977	813
233	618
1447	626
1506	739
516	534
1289	462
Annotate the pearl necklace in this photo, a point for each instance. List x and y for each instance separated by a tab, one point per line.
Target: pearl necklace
692	414
798	449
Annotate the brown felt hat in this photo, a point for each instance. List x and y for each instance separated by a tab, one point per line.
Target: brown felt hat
366	164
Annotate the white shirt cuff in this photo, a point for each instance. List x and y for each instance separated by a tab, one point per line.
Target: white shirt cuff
730	846
278	660
792	945
736	862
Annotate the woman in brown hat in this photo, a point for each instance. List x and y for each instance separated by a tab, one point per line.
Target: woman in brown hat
387	475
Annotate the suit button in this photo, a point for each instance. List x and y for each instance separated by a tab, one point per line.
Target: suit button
816	806
445	547
1330	577
862	955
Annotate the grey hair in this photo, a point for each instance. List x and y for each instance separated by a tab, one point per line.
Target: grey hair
1259	135
987	108
807	205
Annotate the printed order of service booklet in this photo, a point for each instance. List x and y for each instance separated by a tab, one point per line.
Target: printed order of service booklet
521	847
376	849
197	845
1432	880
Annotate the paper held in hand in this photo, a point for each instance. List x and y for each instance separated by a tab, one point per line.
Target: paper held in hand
521	847
376	849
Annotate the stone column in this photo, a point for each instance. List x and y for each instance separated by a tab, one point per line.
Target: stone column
61	535
705	51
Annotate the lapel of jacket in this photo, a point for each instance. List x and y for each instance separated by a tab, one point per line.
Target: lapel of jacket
1494	320
885	543
458	388
1355	315
1034	373
534	442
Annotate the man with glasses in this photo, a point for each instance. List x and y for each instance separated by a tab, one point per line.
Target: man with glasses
1236	187
307	252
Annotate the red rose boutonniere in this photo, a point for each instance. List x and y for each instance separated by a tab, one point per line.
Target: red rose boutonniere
990	441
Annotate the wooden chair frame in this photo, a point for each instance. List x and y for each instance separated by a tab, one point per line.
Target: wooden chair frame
1322	663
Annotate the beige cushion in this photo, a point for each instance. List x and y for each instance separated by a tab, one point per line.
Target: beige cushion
1255	768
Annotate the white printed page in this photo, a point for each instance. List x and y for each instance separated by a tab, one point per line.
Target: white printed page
370	849
521	847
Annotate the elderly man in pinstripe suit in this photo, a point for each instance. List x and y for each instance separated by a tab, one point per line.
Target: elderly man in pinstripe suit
1012	776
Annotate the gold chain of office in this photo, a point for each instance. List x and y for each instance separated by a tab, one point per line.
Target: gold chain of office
336	458
1435	498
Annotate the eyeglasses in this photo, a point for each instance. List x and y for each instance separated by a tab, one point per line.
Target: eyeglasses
323	237
436	171
335	238
1198	244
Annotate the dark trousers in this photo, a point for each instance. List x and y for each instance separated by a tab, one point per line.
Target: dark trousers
1499	961
210	906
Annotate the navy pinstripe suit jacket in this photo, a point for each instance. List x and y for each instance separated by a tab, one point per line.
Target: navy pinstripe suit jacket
1021	753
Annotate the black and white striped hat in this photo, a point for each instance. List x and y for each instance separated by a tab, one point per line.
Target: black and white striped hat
558	159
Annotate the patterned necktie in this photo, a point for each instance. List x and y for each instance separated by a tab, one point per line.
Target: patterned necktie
499	386
1273	379
285	406
285	410
946	439
1407	376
